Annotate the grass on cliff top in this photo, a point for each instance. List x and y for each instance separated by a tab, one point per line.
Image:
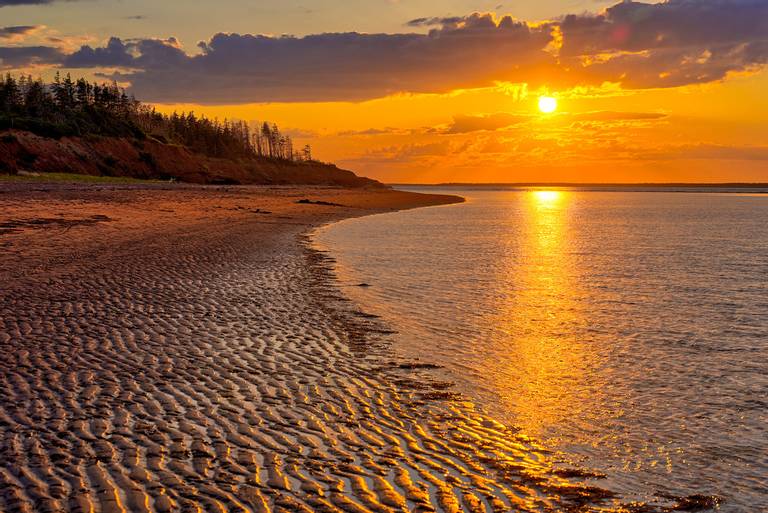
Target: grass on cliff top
72	177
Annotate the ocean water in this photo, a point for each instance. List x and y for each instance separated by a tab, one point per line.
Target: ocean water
625	330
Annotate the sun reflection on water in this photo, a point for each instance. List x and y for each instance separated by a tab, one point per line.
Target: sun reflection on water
591	322
547	197
538	317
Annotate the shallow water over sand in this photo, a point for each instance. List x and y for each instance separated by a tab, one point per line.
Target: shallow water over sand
628	330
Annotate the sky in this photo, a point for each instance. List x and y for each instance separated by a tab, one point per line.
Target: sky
426	91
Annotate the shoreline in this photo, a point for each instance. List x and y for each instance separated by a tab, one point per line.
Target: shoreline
198	356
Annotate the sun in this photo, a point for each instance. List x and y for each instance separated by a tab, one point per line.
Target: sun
547	104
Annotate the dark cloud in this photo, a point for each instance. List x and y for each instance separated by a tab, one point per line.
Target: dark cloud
669	44
435	21
635	26
17	31
144	54
342	66
677	42
114	54
25	56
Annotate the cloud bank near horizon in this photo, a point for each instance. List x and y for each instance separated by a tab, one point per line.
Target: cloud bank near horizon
637	45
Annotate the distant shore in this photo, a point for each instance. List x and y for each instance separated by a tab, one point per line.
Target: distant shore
628	185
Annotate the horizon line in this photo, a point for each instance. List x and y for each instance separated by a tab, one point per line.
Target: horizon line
588	184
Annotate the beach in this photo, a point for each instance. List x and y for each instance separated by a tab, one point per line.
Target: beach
182	348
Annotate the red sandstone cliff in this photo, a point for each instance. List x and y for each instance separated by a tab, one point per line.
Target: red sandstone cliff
24	151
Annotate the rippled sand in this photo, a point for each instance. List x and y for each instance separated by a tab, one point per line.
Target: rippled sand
183	349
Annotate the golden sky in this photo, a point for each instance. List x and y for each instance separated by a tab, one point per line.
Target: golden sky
431	92
711	133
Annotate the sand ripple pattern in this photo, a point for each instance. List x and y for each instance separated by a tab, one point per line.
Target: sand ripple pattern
222	371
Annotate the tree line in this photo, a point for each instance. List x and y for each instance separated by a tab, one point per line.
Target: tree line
68	107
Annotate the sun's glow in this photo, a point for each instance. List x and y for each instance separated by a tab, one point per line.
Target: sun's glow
546	197
547	104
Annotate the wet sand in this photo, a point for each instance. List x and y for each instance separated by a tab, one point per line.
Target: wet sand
184	349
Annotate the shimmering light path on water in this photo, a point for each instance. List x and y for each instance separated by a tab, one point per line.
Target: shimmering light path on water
628	330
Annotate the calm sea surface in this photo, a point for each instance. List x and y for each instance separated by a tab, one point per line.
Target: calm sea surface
626	330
